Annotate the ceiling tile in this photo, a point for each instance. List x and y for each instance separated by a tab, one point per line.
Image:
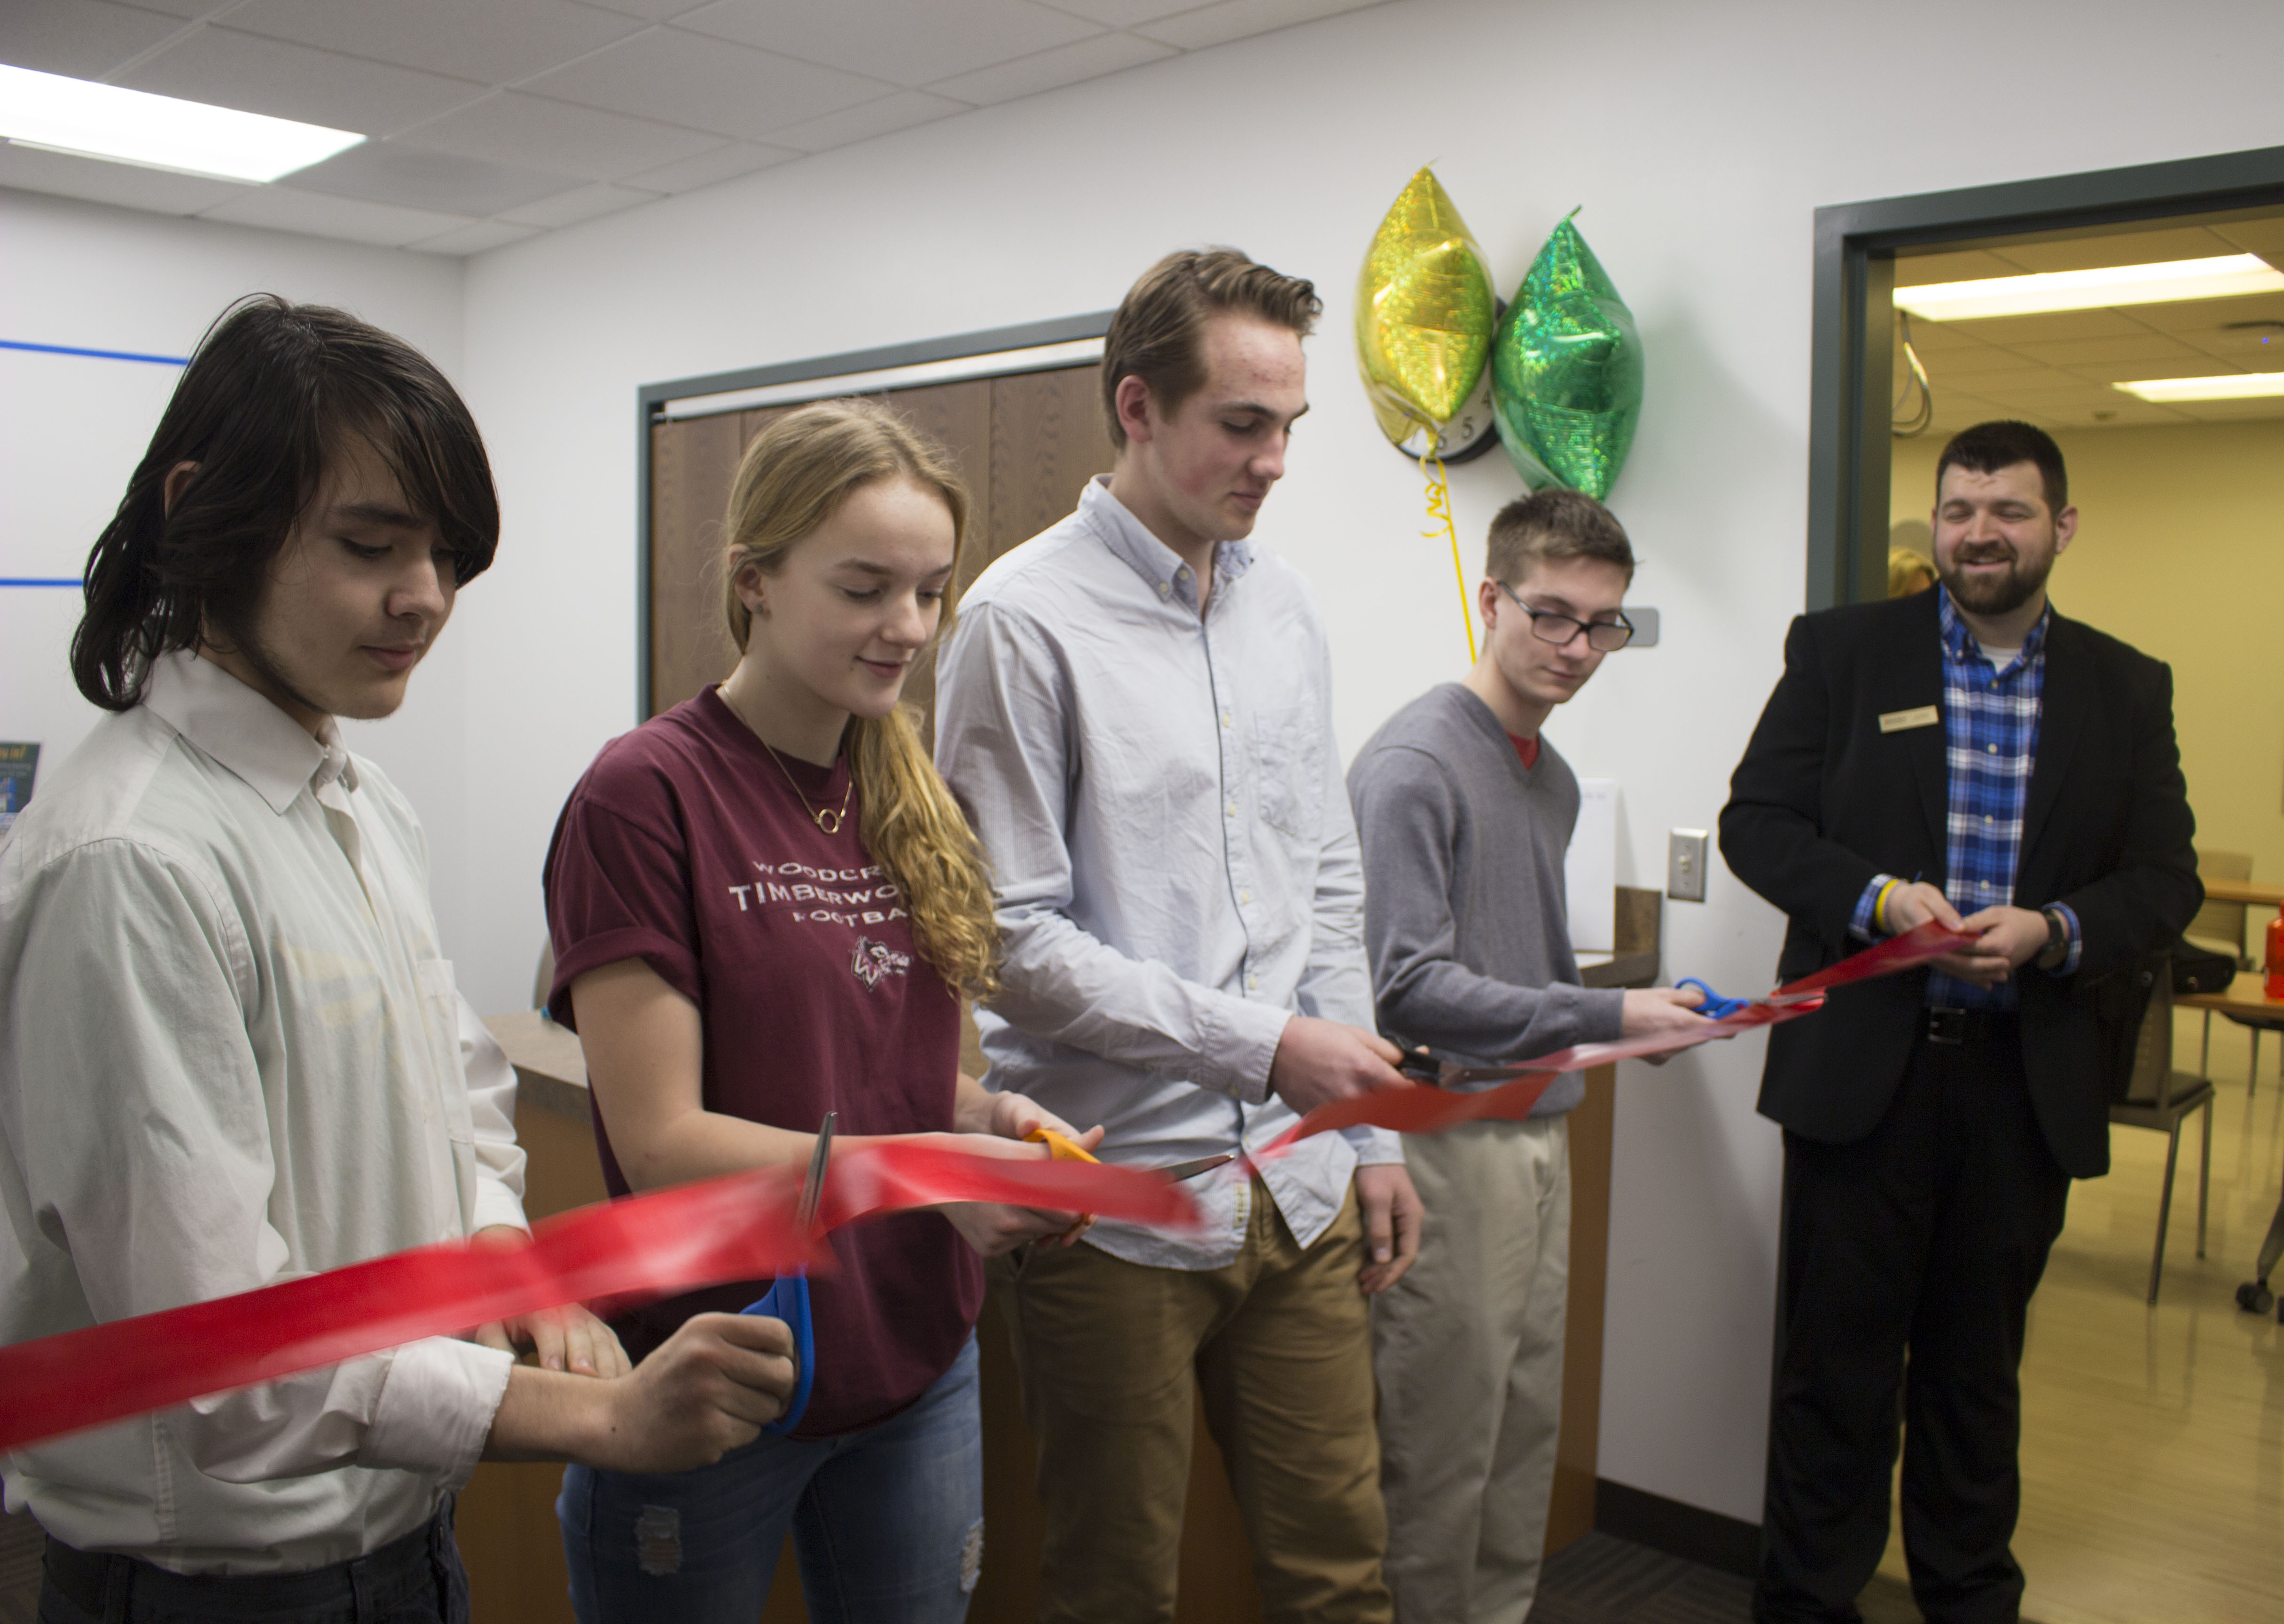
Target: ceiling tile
1938	337
904	42
2056	325
85	39
2195	315
128	185
723	163
861	122
649	11
382	172
585	203
1968	265
498	40
2261	348
258	74
481	237
1105	53
2077	400
2265	237
281	209
189	9
2119	248
2009	380
1237	19
2234	411
714	84
562	136
1119	13
2093	352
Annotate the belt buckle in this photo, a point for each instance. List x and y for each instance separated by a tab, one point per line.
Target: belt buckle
1946	1026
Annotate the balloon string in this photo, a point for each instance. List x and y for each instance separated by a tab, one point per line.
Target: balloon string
1439	508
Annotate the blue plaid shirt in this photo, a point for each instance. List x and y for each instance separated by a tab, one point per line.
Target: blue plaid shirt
1991	737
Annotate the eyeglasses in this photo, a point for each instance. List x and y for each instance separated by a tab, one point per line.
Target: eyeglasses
1603	636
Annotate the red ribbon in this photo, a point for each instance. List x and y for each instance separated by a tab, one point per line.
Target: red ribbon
735	1227
1432	1110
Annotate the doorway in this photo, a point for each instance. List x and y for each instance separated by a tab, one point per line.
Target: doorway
2149	1431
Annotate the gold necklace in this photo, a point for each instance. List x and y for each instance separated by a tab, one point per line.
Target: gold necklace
821	814
838	817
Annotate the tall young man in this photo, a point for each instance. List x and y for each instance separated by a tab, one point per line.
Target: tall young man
1465	811
231	1050
1965	752
1135	712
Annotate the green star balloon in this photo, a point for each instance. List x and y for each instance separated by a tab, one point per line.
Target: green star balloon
1424	313
1566	371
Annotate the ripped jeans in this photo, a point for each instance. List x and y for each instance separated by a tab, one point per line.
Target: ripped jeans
888	1524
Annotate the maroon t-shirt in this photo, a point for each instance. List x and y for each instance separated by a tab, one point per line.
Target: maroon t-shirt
686	847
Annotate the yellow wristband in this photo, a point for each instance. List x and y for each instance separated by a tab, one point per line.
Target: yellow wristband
1880	907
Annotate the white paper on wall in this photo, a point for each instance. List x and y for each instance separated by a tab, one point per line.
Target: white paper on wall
1590	869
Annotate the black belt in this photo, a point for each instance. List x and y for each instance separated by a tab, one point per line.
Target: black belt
104	1586
1956	1028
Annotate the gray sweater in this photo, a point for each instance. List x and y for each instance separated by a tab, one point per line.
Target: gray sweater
1465	914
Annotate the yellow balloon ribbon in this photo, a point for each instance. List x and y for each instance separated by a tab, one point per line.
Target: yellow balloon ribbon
1439	507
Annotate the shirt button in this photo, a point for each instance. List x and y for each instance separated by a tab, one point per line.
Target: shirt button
1233	808
1225	719
1164	591
1993	749
1253	983
1986	817
1245	896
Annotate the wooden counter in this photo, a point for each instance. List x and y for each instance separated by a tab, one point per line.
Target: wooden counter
507	1530
2257	893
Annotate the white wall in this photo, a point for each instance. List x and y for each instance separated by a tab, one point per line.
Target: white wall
72	429
1700	139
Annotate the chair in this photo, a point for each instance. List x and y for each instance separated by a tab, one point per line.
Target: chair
2219	928
2157	1098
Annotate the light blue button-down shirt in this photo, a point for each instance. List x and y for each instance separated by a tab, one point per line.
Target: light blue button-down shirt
1160	796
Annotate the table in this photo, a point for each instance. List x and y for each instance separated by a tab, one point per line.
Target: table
2260	893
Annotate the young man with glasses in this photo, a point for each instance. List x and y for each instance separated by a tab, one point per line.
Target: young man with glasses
1465	813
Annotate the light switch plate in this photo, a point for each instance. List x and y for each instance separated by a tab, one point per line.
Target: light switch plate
1685	865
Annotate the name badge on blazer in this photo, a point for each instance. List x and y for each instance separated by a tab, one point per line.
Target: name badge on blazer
1897	722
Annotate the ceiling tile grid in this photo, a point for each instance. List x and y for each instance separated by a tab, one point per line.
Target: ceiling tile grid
2057	370
489	120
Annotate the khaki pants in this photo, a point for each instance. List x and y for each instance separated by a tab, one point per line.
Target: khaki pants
1469	1349
1113	1355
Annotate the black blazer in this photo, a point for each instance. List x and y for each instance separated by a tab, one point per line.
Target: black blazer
1823	801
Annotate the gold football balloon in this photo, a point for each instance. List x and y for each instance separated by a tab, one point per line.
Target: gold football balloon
1425	313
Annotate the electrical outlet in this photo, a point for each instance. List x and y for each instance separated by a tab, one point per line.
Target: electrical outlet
1685	865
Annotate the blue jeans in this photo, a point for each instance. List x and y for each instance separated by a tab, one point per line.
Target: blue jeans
888	1524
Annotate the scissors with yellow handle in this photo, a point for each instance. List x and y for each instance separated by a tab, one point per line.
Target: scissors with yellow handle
1063	1150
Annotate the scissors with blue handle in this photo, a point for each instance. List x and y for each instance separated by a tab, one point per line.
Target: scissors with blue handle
1715	1007
789	1298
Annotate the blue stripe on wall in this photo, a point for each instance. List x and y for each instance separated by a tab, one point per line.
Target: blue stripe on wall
99	354
39	580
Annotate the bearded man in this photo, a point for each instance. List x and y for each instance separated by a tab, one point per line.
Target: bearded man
1971	756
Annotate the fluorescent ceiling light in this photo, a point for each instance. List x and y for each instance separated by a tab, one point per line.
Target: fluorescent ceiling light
159	132
2219	277
2227	386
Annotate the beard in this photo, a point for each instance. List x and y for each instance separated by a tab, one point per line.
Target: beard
1994	594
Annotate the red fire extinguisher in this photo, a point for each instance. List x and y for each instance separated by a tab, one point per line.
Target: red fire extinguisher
2275	988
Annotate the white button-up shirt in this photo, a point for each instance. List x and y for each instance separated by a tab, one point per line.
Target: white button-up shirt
230	1054
1160	796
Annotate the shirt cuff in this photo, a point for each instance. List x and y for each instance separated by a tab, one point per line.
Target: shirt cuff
496	1203
1861	927
2068	966
436	1409
1246	1049
1375	1147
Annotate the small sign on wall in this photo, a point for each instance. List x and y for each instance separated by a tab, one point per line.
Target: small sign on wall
19	763
1590	869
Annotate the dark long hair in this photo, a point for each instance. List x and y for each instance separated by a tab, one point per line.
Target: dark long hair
266	403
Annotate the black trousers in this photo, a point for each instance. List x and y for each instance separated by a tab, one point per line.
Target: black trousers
1924	1238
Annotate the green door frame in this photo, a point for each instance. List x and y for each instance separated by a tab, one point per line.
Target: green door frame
1854	321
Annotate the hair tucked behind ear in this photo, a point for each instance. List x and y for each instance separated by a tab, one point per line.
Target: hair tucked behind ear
793	477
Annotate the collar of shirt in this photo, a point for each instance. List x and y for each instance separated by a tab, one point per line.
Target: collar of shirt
1959	644
273	754
1132	543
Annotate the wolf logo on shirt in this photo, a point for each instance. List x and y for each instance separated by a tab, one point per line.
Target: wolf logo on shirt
874	961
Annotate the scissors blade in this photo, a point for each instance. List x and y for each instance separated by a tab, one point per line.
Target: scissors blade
812	1185
1182	1170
